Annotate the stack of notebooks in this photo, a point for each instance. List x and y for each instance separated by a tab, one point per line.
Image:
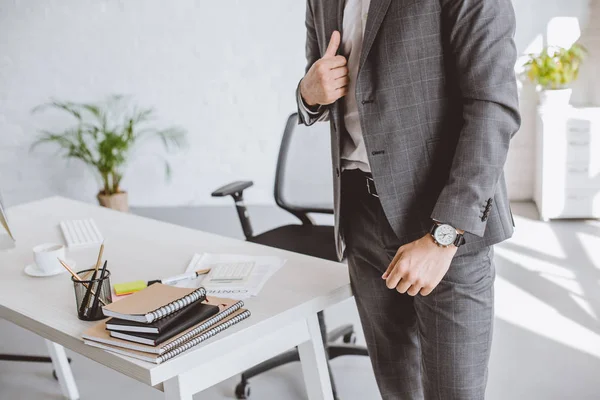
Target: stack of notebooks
161	322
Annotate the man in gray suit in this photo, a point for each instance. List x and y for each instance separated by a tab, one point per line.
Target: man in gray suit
422	101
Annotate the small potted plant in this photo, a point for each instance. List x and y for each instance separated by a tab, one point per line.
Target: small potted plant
553	70
103	136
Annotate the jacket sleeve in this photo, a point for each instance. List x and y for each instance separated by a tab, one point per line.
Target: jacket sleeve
479	36
305	116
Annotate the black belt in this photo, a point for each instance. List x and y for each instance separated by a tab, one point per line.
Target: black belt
358	176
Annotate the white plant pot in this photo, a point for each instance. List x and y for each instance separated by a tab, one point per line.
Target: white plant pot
555	98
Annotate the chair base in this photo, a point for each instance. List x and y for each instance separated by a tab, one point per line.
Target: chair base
334	350
23	358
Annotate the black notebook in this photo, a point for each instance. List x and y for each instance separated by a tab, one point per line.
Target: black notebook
187	317
184	322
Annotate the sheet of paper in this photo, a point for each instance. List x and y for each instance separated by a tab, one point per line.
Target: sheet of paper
263	268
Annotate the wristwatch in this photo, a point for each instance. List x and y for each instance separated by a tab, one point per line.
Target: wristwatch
445	235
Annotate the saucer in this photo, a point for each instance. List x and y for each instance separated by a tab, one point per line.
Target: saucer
33	270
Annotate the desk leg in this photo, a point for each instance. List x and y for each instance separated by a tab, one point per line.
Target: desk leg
175	389
314	363
63	370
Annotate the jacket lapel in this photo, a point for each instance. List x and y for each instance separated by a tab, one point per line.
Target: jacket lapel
377	11
341	4
334	10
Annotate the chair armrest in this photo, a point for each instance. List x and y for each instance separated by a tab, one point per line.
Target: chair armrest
232	188
236	191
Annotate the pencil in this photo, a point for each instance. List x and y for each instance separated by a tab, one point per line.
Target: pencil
74	274
98	262
99	257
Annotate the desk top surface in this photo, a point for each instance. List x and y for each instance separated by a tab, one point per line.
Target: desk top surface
141	248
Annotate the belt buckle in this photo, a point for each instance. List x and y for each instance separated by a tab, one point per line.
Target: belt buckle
371	181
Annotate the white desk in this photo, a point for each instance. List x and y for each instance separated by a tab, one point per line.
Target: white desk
283	316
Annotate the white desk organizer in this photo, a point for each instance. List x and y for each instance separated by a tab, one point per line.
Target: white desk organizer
567	181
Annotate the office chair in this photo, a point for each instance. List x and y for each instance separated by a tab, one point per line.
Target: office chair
303	185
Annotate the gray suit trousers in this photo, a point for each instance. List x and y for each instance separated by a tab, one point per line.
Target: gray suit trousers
423	347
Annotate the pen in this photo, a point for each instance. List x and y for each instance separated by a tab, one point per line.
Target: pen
182	277
98	290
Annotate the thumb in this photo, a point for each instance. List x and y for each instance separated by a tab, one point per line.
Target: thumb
334	44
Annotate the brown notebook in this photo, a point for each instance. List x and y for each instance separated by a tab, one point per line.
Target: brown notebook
97	333
153	303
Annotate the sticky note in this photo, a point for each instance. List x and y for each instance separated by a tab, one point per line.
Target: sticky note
129	287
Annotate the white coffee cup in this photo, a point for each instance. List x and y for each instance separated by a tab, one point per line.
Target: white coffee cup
46	257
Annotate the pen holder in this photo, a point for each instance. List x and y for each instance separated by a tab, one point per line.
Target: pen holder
91	295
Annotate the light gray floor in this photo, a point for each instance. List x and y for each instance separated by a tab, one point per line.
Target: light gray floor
546	340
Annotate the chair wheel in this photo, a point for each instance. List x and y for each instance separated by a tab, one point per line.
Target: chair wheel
242	391
54	375
350	338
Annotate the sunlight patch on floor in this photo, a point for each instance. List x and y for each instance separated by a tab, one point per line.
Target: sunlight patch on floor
520	308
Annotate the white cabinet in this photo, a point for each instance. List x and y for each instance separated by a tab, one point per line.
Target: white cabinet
567	183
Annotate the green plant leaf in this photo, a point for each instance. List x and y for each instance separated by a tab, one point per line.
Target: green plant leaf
105	134
555	67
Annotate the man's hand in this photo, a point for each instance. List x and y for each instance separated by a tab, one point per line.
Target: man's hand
418	267
327	79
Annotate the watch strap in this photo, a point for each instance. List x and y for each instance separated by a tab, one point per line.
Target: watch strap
460	240
432	229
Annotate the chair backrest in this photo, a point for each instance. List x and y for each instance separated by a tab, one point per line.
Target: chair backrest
304	180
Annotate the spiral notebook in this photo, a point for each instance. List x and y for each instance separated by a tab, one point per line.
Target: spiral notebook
153	303
97	334
189	316
179	346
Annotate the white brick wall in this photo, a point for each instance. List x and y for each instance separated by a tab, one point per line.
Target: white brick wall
224	70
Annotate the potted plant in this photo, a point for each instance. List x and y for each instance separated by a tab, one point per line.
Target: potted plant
103	136
553	70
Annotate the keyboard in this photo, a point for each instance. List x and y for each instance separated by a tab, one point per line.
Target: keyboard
81	233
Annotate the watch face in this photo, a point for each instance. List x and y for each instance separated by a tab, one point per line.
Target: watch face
445	234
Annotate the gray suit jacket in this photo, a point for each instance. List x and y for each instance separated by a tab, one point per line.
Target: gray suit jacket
437	101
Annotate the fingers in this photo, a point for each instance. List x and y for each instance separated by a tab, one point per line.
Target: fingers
339	72
343	81
334	44
403	286
399	276
426	291
414	290
393	276
336	62
392	264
